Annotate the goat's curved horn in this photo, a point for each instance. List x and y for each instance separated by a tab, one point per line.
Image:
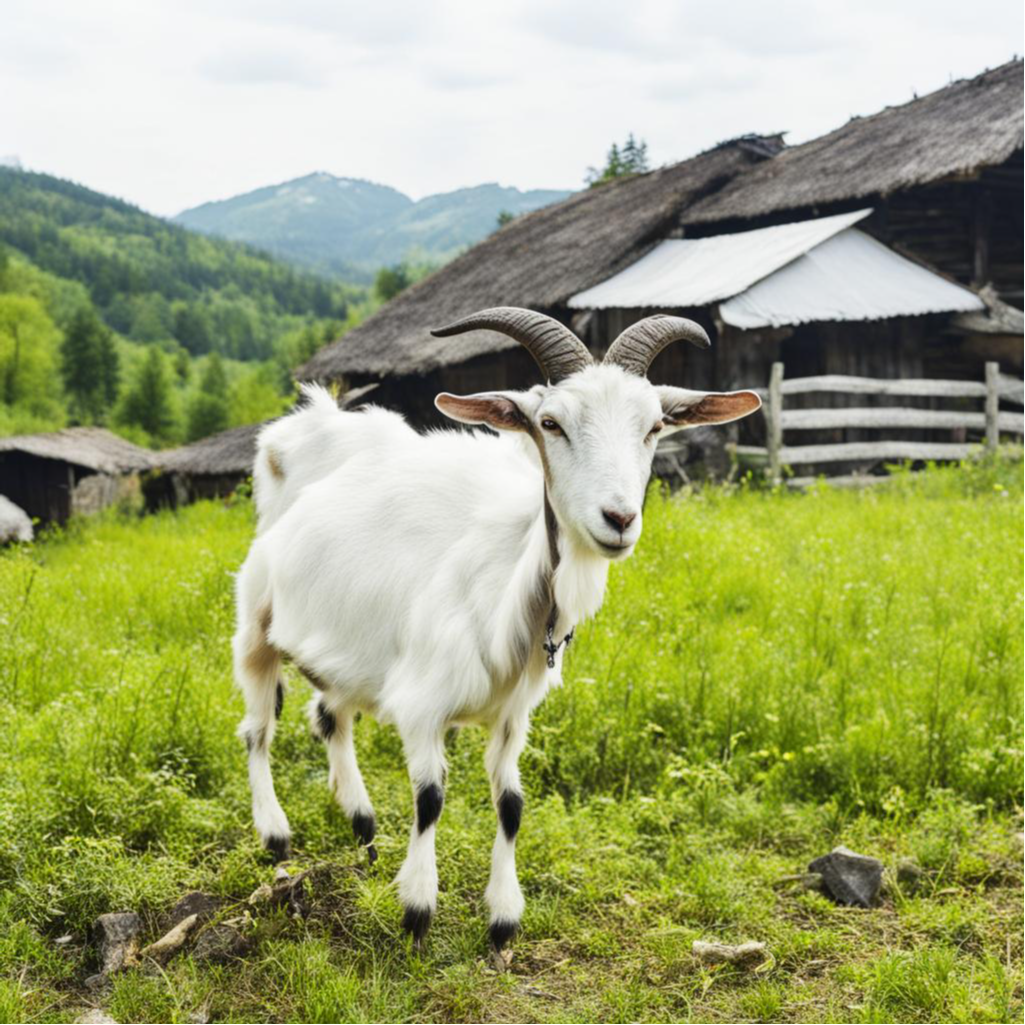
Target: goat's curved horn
556	350
640	343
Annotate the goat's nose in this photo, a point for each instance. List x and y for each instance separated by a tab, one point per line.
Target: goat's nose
618	521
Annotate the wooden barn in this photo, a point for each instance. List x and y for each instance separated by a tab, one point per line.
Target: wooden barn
209	468
76	470
891	247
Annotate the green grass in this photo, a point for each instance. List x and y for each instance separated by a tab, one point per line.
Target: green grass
772	674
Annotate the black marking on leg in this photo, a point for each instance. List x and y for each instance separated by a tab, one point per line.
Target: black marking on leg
326	722
280	847
279	700
501	931
364	827
416	921
429	800
256	739
510	809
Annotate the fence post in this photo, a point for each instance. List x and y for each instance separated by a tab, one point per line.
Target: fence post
992	407
775	422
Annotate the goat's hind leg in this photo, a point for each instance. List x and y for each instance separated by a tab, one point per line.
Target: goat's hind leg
333	722
257	671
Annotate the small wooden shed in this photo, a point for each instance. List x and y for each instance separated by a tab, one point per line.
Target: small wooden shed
209	468
76	470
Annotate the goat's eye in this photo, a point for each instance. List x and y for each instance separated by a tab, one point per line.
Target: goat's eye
655	430
550	425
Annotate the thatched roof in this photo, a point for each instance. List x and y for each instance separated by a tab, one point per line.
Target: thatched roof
541	259
538	260
90	447
965	126
229	452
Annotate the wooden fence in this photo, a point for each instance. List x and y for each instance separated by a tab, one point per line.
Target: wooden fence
778	419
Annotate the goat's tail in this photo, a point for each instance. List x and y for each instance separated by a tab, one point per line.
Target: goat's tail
315	397
273	476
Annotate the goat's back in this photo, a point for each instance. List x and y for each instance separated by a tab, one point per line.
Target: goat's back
312	442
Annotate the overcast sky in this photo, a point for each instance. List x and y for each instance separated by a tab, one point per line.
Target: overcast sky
169	104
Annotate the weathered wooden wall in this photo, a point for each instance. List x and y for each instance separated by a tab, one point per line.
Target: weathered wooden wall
42	487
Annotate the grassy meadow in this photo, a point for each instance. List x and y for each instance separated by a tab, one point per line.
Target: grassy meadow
772	674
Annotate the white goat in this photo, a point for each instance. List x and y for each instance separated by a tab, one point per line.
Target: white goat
434	579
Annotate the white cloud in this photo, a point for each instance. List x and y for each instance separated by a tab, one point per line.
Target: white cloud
174	102
264	67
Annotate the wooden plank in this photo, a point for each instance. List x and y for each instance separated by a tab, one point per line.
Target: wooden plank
774	427
1012	389
756	451
992	407
1011	423
854	480
872	386
899	417
858	451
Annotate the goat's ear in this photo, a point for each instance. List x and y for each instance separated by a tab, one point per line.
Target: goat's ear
684	408
504	411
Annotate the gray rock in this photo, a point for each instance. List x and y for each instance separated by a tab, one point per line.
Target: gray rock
14	522
220	943
850	878
96	1017
117	939
203	905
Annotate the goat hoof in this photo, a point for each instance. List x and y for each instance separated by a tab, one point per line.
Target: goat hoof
279	848
501	931
364	827
416	921
371	855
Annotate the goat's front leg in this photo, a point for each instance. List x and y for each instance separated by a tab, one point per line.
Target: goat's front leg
505	900
418	877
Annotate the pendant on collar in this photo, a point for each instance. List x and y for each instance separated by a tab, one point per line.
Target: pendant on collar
549	645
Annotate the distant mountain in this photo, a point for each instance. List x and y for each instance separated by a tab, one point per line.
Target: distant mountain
348	227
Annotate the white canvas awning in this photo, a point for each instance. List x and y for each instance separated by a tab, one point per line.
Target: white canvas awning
822	269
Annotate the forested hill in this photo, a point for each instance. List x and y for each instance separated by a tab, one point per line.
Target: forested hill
152	280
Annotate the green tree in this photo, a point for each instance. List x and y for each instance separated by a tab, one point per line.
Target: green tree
148	402
190	328
208	408
182	365
152	319
255	396
504	217
29	342
90	367
621	163
390	281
